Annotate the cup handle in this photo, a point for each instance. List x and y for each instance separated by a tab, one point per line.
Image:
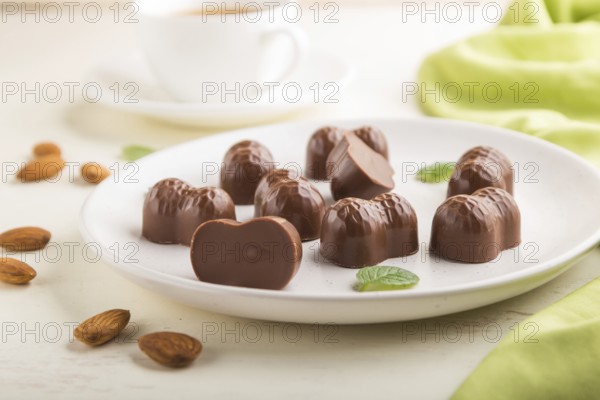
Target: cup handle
299	42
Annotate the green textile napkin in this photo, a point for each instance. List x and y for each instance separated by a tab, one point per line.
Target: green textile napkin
538	72
556	355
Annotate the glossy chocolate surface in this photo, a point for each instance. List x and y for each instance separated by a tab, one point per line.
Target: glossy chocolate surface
319	146
374	138
322	142
244	165
282	194
476	228
262	253
173	210
357	233
266	182
356	170
481	167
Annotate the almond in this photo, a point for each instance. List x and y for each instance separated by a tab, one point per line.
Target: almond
15	272
41	168
103	327
45	149
27	238
93	172
170	349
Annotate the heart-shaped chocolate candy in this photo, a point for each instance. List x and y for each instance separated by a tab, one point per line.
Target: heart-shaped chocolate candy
173	210
356	232
260	253
476	228
478	168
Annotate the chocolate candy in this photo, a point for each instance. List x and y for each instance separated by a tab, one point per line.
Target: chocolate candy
173	210
244	165
476	228
265	184
324	140
356	170
320	145
374	138
293	198
481	167
262	253
358	233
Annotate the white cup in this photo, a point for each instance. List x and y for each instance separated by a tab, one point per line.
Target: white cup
192	48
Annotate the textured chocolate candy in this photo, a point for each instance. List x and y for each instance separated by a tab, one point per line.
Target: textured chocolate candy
476	228
323	141
319	146
261	253
374	138
358	233
481	167
244	165
265	183
281	194
356	170
173	210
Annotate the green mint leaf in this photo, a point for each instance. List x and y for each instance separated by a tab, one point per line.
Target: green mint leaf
383	277
133	152
436	172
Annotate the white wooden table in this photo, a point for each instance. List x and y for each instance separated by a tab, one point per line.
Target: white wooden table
422	359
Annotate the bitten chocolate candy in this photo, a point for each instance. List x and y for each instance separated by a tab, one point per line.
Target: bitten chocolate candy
357	233
262	253
356	170
476	228
244	165
324	140
173	210
481	167
374	138
294	198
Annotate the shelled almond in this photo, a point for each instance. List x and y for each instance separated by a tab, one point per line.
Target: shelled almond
94	173
103	327
170	349
45	149
15	272
27	238
41	168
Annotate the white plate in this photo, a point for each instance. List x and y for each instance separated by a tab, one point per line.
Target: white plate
128	85
557	192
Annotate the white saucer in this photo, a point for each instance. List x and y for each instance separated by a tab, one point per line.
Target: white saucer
151	100
558	195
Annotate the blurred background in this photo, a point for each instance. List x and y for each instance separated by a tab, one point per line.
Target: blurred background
380	41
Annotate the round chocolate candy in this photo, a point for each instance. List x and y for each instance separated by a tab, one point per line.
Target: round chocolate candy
293	198
244	165
478	168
